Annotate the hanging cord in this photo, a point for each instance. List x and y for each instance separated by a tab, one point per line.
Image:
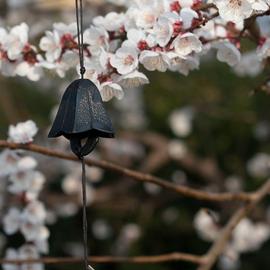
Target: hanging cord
79	18
85	242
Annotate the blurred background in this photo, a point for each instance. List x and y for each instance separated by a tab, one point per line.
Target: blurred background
208	130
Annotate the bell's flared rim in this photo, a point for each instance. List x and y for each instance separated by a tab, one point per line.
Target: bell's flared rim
93	133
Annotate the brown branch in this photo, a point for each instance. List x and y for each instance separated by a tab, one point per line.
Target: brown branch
111	259
206	168
219	245
138	176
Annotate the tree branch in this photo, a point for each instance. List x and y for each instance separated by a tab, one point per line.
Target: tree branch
220	244
111	259
138	176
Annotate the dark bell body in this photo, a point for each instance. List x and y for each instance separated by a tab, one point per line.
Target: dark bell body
81	115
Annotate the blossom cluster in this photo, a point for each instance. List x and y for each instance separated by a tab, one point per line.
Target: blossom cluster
24	183
248	236
158	35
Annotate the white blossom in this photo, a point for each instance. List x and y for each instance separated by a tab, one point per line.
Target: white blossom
146	18
32	71
133	79
163	31
259	5
50	43
22	132
28	181
205	224
111	22
188	15
177	149
101	229
12	220
181	121
259	165
234	10
249	236
96	36
154	60
8	162
63	28
109	90
186	44
228	53
125	60
249	65
34	212
183	64
16	40
26	163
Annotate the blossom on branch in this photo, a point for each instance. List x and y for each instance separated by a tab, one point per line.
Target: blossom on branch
158	35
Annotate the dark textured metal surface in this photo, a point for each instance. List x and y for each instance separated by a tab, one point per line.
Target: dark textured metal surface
81	113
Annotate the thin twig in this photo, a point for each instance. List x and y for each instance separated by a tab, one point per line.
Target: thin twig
111	259
220	244
138	176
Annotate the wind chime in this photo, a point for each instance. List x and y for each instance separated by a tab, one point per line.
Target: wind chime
82	119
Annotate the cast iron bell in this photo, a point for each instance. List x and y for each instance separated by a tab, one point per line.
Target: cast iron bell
81	115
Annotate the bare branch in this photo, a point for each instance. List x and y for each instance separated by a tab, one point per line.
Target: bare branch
138	176
219	246
111	259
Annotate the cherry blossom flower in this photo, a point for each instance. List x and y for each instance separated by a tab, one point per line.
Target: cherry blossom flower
30	182
125	60
188	15
186	44
163	30
8	162
259	165
154	60
111	22
133	79
139	39
146	18
167	34
249	236
96	36
259	5
22	132
181	121
15	41
183	64
249	65
34	212
101	229
27	251
234	10
64	29
50	43
186	3
177	149
31	69
228	53
205	225
109	90
11	221
34	231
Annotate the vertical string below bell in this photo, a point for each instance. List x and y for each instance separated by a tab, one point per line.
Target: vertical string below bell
79	19
85	240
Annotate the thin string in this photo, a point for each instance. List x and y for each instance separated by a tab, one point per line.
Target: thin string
85	242
79	19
